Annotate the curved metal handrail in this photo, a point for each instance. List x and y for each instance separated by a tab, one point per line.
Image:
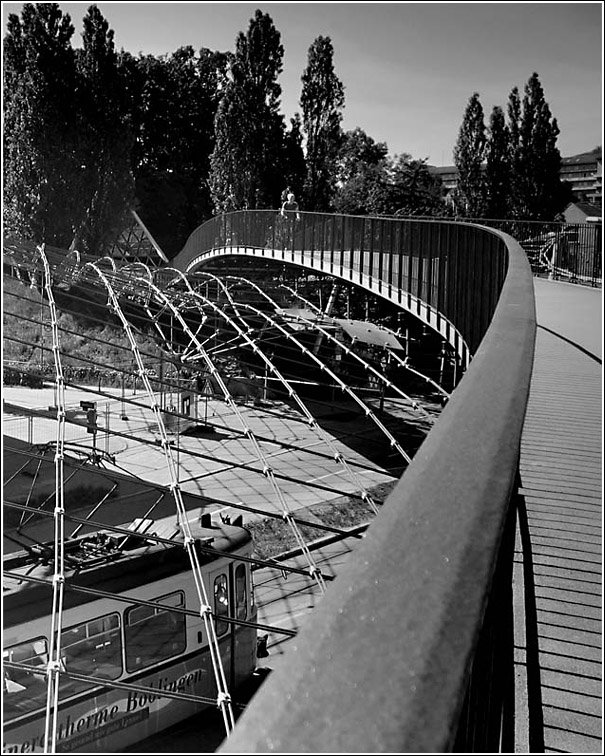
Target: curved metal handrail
430	268
383	664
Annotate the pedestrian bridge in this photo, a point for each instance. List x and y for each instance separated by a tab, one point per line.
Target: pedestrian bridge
434	270
417	646
412	650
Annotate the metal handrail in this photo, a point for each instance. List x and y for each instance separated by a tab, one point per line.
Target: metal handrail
384	662
430	268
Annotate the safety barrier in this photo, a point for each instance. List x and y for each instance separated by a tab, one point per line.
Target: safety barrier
411	648
433	269
567	251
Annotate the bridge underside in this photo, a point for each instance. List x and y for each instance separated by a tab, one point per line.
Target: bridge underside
338	268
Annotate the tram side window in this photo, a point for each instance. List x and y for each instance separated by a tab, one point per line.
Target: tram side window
91	648
221	604
24	691
152	634
240	592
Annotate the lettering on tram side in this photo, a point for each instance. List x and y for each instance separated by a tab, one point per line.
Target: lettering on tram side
73	733
137	700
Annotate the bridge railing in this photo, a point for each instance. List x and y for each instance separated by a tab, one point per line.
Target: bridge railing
569	251
445	265
411	648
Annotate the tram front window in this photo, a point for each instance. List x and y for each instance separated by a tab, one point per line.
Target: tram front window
221	604
240	591
24	690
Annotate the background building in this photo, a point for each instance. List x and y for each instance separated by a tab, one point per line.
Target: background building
582	171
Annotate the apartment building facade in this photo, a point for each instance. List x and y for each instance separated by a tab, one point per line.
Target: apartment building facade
583	172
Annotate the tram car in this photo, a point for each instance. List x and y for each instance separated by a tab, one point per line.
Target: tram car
108	641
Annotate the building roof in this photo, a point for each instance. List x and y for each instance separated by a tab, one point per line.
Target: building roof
592	211
583	157
442	170
592	157
369	333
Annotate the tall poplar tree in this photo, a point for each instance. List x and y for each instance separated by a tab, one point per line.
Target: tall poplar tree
322	101
247	160
294	166
106	136
41	160
469	154
497	167
514	152
539	193
173	101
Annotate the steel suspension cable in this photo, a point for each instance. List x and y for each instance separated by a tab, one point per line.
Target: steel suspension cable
402	363
343	386
223	697
347	350
293	394
58	579
267	470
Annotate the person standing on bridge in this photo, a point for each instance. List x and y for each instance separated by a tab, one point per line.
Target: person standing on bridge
290	206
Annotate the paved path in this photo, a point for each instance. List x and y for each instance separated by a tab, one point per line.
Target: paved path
559	546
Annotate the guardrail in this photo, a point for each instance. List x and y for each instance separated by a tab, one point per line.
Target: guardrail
567	251
432	268
411	648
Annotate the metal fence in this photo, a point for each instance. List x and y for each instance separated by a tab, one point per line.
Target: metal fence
441	265
567	251
410	650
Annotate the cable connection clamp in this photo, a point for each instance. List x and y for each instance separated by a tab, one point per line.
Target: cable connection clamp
223	699
205	610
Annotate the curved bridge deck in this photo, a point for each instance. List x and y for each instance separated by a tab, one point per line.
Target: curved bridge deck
559	544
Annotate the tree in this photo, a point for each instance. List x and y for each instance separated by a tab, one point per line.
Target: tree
41	157
294	166
247	160
497	167
539	193
107	137
413	189
322	100
357	151
469	153
173	102
514	151
361	174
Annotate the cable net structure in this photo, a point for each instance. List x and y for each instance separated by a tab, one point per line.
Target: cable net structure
148	415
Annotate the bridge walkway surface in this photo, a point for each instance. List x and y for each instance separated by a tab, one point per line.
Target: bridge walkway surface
558	555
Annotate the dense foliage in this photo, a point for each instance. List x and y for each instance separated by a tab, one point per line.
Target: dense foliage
469	154
92	132
513	170
322	100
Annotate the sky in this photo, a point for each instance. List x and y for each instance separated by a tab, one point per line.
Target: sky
408	69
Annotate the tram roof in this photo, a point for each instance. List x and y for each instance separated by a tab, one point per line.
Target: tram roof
105	561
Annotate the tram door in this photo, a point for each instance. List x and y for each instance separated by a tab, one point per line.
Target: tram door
220	586
240	637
